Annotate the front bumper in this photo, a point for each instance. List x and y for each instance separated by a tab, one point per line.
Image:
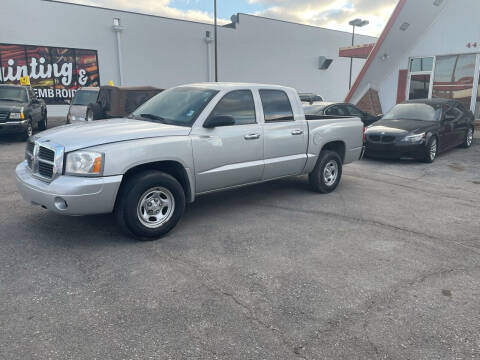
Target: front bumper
395	150
81	195
13	127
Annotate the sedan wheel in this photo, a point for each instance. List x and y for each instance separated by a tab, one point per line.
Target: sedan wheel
468	138
432	150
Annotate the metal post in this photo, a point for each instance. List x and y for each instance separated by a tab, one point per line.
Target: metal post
351	59
117	28
216	43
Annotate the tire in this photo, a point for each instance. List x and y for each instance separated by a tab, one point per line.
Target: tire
467	142
42	124
327	173
431	150
28	131
150	220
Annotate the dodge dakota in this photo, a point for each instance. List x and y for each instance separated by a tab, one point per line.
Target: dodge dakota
184	142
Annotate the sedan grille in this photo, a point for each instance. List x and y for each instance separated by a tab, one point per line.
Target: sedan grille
45	169
385	139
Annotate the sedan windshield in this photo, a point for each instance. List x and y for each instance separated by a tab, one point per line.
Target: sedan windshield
177	106
411	111
314	109
13	94
85	97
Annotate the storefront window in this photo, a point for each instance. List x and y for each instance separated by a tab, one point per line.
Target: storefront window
421	64
453	78
419	86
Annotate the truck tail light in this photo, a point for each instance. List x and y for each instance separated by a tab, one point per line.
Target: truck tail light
364	137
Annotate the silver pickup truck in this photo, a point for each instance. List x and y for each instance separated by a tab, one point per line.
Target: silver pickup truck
187	141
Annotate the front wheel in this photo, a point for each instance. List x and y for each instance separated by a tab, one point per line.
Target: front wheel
431	150
150	205
327	173
42	124
467	142
28	131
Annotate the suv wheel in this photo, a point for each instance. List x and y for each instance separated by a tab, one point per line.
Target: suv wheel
42	124
327	173
28	131
150	205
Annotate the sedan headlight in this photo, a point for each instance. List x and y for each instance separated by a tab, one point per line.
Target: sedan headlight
413	139
84	163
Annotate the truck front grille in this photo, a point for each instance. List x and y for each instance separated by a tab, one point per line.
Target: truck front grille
46	154
45	161
4	116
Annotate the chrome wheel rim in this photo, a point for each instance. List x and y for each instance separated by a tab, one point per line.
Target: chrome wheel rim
29	130
330	173
433	149
155	207
469	137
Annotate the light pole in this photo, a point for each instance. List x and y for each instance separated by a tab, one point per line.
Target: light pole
215	34
355	23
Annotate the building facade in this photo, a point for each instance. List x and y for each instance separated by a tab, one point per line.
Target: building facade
429	49
65	46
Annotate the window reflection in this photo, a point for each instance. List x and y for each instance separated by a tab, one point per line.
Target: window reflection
419	87
454	78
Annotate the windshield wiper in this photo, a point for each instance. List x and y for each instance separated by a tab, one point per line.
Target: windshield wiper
153	117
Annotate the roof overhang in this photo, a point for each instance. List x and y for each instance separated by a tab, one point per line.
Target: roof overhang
357	52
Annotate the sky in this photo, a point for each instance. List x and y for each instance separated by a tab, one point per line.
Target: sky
333	14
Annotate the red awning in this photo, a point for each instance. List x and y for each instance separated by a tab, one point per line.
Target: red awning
358	52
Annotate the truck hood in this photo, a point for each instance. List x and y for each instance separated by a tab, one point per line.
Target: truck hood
88	134
10	106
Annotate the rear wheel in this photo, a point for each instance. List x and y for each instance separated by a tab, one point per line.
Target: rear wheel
467	142
327	173
431	150
150	205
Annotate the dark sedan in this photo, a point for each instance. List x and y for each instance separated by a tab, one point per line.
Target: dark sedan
339	110
420	129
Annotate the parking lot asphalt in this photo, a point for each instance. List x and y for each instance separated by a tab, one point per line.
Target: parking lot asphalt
386	267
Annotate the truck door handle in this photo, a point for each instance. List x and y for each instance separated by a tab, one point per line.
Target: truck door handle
252	136
297	132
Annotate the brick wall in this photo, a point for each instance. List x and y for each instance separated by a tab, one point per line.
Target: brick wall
370	102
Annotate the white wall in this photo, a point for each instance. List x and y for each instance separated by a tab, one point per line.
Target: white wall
449	33
166	52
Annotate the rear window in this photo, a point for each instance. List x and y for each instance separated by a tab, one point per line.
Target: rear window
85	97
276	106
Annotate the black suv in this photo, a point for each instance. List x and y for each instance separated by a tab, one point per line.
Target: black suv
21	111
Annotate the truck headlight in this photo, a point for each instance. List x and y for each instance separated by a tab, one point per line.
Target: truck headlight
84	163
413	139
17	115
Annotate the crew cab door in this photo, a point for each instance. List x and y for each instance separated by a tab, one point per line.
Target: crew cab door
286	138
227	156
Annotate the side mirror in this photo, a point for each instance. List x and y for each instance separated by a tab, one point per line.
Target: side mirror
219	120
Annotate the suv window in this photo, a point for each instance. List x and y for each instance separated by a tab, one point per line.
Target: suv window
276	106
336	111
238	104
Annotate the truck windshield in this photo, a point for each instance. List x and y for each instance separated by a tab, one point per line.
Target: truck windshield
177	106
13	94
85	97
423	112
